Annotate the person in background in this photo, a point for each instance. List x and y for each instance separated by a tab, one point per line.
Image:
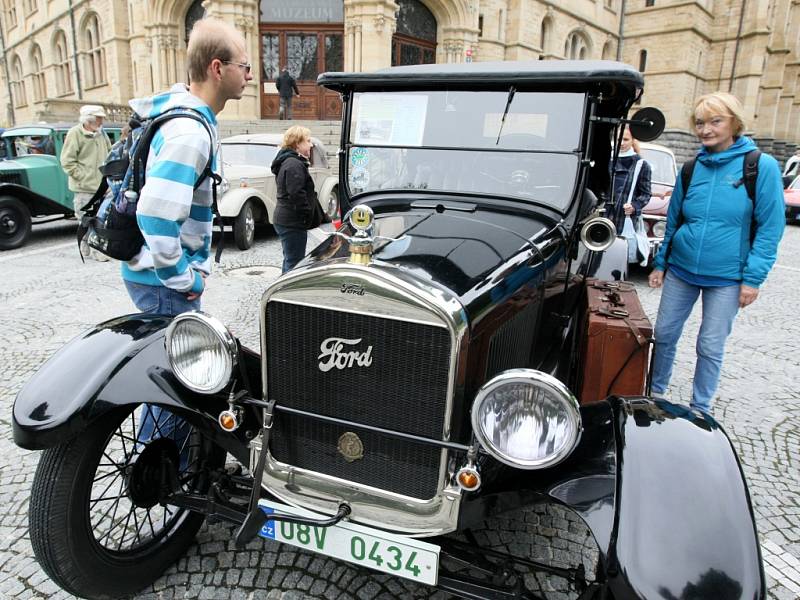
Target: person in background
86	147
295	194
631	181
718	243
287	88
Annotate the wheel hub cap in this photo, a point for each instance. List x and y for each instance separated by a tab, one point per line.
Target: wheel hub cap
149	472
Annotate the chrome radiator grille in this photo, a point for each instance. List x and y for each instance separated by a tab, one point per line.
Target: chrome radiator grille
403	389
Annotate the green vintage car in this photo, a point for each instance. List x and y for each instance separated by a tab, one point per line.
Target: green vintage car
33	186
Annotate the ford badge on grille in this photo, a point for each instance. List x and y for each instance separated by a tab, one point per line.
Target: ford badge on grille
332	354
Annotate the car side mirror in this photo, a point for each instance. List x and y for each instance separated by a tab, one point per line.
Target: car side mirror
647	124
787	181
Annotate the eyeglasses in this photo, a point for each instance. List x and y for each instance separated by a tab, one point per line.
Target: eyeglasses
246	66
715	122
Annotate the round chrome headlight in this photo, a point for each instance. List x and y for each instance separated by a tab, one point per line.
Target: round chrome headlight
659	228
201	351
526	419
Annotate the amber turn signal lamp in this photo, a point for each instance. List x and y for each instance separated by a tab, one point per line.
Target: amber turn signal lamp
468	479
228	420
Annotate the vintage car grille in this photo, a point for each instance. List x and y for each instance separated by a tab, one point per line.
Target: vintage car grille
14	177
403	389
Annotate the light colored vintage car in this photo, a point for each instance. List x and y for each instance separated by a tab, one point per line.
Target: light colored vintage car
248	193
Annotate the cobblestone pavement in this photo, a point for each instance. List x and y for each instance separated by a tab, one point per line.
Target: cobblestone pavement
47	296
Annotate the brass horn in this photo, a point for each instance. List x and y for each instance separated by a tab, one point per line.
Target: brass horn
598	232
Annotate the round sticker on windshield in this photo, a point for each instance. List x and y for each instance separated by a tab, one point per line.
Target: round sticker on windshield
359	157
359	178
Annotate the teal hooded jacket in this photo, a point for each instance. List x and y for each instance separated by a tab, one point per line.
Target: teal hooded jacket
713	238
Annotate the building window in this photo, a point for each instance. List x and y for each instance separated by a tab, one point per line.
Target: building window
63	67
480	25
642	60
576	47
17	83
607	51
30	6
11	12
193	15
649	2
39	83
95	57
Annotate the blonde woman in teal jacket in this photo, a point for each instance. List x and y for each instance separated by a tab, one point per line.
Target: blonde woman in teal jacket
719	244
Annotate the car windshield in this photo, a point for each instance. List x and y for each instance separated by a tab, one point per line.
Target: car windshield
248	154
22	145
522	145
662	165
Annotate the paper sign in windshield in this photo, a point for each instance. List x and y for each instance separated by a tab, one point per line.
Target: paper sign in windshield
391	119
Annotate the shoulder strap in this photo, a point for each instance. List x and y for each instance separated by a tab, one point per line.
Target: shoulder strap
750	173
634	180
139	159
686	174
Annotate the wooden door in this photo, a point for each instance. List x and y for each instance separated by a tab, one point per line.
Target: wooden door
308	51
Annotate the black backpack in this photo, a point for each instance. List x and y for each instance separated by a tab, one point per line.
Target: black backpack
749	179
109	222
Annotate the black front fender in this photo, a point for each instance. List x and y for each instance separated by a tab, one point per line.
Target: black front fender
117	363
661	489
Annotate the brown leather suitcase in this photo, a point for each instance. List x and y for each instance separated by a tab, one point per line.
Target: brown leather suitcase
615	344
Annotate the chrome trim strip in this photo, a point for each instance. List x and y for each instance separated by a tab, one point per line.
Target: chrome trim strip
386	288
361	312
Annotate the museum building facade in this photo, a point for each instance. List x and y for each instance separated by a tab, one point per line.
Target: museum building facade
59	54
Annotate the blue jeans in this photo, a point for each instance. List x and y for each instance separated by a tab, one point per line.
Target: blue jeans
156	422
293	242
720	305
160	300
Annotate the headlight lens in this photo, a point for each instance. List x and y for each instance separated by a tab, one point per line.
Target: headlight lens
224	186
201	351
526	419
659	229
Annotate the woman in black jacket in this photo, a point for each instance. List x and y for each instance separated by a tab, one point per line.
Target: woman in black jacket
631	182
295	194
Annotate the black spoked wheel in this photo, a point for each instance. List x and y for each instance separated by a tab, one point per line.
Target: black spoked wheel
96	524
15	223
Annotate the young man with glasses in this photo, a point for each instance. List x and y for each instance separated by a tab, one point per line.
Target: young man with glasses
174	211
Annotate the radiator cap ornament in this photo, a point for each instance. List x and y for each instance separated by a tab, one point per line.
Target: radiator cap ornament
350	447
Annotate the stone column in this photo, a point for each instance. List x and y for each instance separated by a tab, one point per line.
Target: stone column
369	26
244	14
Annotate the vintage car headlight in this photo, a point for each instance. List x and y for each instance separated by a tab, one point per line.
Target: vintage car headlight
202	352
659	228
224	186
526	419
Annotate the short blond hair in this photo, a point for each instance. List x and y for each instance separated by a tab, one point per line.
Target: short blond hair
211	38
294	135
720	104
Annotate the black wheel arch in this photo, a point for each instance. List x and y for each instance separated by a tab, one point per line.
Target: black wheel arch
121	362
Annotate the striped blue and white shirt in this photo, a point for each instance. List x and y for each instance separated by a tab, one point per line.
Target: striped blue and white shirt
175	218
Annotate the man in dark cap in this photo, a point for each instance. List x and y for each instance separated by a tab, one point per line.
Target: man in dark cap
287	86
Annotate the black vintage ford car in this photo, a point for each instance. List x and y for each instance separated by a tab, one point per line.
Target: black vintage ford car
417	375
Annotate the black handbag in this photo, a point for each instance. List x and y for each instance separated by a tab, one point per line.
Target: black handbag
317	216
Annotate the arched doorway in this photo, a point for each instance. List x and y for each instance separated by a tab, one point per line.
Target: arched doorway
308	37
414	43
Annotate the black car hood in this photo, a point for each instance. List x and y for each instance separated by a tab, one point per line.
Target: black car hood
455	248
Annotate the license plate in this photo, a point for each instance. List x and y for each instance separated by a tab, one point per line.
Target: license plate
372	548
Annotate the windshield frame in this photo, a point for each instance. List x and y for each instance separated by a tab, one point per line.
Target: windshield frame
579	152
